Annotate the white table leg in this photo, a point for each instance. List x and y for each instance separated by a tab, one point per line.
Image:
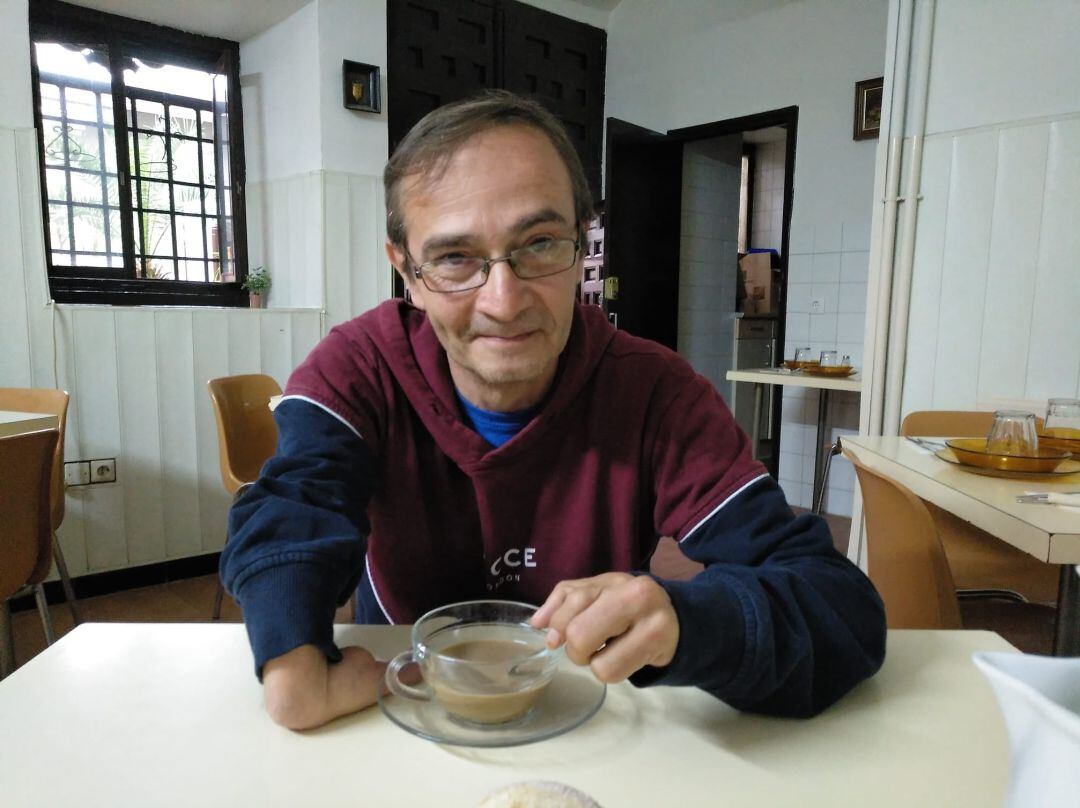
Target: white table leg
755	430
7	641
819	453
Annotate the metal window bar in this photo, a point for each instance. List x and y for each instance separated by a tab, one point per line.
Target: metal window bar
202	193
136	171
166	107
67	173
103	174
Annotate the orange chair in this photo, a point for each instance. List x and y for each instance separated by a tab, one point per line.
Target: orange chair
26	463
905	559
247	434
982	565
53	402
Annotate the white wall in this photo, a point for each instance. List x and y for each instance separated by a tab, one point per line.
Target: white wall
352	142
315	217
995	299
16	104
672	65
279	71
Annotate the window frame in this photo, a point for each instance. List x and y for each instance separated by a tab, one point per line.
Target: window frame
100	285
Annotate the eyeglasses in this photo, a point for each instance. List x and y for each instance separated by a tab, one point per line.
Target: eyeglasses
460	273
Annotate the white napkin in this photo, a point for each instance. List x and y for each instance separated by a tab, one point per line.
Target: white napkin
1040	701
1070	499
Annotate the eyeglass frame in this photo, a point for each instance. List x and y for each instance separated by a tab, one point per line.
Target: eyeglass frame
485	272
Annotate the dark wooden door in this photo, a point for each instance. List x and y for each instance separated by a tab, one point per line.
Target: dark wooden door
560	62
642	224
438	51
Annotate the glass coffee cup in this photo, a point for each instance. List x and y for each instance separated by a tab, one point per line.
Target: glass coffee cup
1062	418
829	359
1013	433
480	660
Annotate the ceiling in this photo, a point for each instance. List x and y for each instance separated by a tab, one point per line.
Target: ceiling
233	19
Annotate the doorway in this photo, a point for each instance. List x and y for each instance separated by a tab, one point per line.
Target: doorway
682	207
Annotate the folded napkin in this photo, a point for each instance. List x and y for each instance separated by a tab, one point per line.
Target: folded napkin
1039	699
1070	498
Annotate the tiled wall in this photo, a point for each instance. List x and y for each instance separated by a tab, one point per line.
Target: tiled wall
768	220
828	264
708	257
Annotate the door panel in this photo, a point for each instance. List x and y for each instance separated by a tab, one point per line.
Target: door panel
561	62
438	51
643	213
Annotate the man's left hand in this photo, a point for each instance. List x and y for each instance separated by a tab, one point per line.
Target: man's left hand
615	623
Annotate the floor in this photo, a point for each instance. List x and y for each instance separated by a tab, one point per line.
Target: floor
190	601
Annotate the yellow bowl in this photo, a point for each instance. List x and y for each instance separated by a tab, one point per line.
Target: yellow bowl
838	370
1067	440
972	452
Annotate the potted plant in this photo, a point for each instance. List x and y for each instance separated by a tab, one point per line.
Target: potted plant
258	284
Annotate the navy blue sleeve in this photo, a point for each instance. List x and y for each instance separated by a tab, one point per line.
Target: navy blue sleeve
297	537
778	622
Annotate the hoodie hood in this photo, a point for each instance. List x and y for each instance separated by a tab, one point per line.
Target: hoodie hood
406	342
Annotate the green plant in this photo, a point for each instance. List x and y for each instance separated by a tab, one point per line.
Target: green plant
257	281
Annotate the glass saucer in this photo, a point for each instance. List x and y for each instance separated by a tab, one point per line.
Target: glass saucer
572	698
1066	467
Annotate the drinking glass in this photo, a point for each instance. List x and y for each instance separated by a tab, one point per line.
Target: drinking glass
1013	433
830	359
802	357
1063	418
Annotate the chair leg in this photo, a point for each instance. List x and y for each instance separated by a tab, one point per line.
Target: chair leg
65	580
7	641
43	610
833	451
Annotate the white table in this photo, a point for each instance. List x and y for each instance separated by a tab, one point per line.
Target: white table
1050	533
790	378
18	423
163	715
14	423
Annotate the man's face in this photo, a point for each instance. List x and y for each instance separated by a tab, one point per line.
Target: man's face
503	189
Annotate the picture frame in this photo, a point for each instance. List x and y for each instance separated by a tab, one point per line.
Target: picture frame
360	86
868	95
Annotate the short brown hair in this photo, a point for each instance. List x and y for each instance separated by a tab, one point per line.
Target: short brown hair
437	136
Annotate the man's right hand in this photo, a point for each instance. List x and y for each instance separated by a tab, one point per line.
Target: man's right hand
303	690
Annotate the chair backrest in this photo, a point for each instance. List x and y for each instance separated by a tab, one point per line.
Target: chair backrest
26	535
905	559
247	434
52	402
950	423
947	423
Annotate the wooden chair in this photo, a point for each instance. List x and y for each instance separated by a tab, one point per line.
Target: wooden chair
905	559
53	402
25	503
982	565
247	434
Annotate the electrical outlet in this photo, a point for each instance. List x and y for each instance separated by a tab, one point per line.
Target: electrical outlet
817	306
103	471
77	472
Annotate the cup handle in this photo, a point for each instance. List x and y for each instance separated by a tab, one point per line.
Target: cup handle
398	687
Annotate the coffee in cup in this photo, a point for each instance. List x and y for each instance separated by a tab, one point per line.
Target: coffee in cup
481	661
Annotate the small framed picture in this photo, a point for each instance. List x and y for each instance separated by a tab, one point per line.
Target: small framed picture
868	108
360	86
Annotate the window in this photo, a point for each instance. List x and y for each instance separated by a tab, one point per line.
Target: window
141	160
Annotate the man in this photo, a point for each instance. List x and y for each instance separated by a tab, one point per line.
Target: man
496	439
